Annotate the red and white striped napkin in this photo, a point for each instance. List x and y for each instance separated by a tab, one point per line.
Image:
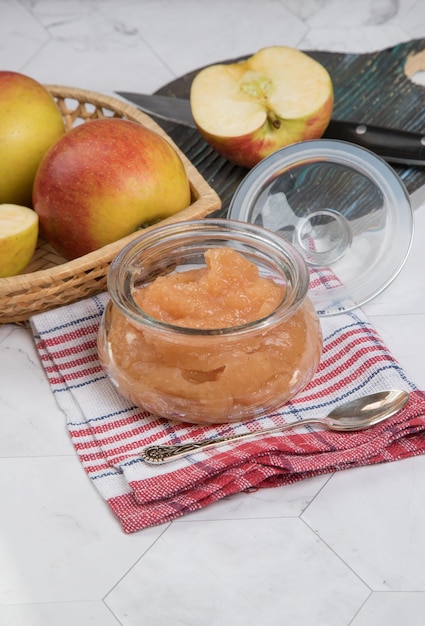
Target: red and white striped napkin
108	433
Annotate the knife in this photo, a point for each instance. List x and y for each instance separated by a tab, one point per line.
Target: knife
395	146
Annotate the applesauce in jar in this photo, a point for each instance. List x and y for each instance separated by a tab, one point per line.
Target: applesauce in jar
206	324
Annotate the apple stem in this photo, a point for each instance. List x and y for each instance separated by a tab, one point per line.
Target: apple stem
273	119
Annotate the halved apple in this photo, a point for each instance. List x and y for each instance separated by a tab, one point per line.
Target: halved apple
249	109
18	238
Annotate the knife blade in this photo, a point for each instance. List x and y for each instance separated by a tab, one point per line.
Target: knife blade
165	107
395	146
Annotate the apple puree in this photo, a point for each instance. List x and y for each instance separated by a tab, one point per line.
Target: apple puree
227	293
204	377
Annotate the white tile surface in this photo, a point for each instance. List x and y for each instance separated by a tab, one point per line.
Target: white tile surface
239	572
41	421
21	35
392	609
188	33
369	517
344	549
63	613
59	542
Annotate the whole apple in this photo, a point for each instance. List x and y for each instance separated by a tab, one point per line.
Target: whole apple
30	123
249	109
102	181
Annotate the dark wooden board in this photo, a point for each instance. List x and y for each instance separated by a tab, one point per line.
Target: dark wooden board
374	88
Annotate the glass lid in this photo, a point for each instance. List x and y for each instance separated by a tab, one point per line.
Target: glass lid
343	207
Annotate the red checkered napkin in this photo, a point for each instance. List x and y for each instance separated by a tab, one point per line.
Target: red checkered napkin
108	433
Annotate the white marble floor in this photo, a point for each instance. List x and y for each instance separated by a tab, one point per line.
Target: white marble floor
337	550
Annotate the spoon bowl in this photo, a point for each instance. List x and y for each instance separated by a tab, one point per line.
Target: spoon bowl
366	411
357	414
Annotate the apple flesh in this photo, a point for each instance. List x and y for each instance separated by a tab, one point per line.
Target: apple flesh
18	238
102	181
30	123
249	109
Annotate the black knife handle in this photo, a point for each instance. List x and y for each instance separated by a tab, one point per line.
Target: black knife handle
395	146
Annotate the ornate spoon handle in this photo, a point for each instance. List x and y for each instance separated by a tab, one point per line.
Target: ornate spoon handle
163	454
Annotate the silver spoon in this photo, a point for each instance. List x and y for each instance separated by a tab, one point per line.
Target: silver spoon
355	415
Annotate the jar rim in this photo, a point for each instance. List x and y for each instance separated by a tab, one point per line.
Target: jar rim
124	267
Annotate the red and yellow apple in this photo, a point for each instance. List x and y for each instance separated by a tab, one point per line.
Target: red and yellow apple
18	238
248	109
30	123
104	180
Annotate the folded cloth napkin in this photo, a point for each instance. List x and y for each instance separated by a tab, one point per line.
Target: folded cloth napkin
108	433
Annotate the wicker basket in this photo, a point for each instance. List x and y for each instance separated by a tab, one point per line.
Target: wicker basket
49	280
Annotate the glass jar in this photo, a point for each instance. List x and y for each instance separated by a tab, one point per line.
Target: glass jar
212	375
